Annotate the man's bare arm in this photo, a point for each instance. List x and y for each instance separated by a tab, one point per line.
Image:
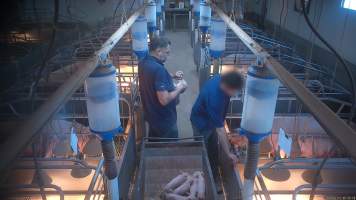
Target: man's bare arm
224	142
165	97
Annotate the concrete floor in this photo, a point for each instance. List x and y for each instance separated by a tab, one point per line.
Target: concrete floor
181	58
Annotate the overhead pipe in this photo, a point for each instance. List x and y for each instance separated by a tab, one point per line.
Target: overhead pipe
334	126
17	141
195	21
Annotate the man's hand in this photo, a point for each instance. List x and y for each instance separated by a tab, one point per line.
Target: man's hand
224	142
165	97
238	140
232	159
182	85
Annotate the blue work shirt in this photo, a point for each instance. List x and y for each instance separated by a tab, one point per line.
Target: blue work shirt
210	108
154	77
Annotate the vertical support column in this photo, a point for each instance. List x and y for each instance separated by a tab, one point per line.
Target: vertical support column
163	17
216	66
111	173
196	15
196	36
191	28
204	66
113	189
140	128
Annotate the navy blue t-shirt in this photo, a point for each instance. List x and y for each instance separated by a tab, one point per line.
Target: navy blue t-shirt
154	77
210	108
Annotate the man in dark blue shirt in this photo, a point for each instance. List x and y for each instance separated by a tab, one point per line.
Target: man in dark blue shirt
159	94
209	112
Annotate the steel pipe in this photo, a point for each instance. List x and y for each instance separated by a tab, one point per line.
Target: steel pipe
94	179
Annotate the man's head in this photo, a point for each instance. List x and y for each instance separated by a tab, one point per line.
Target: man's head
231	82
160	48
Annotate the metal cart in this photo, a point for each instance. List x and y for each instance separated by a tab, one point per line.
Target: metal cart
164	159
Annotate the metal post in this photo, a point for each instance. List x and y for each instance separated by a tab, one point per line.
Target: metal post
94	179
191	32
204	67
113	189
161	21
216	66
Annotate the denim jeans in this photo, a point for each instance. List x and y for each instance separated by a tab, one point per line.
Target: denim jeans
212	144
171	132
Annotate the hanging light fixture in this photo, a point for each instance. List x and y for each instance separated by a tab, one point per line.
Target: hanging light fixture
80	172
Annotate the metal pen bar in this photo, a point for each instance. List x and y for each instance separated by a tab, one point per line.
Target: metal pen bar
332	124
51	167
100	187
332	163
81	162
94	179
350	187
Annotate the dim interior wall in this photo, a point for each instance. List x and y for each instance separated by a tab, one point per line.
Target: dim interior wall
336	24
88	11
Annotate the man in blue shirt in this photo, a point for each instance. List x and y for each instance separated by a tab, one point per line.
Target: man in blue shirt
159	94
209	112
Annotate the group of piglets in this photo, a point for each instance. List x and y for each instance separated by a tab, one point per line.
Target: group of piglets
185	187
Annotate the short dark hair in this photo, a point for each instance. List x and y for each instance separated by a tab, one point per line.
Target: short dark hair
233	80
159	42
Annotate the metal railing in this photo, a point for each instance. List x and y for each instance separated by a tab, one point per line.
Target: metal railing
348	188
305	164
13	189
95	189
